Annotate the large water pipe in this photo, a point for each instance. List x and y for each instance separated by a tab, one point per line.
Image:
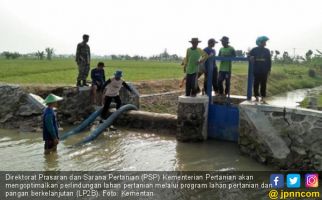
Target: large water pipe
83	125
106	123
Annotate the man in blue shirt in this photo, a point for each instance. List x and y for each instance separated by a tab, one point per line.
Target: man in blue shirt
211	52
261	59
50	124
98	80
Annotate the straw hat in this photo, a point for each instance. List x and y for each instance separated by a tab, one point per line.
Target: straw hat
194	40
51	98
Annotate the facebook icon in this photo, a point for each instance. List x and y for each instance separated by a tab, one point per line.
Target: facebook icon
277	180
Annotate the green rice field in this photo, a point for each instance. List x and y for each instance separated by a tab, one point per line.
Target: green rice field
64	72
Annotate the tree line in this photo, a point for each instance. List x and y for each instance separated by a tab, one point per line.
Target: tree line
310	57
40	55
285	58
164	56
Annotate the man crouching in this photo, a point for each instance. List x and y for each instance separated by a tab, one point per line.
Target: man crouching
50	125
113	87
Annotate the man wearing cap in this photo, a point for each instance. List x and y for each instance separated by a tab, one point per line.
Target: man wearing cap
83	59
194	57
113	87
98	80
50	124
211	52
225	66
262	62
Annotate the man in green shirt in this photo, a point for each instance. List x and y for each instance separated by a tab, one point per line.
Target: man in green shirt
225	66
194	57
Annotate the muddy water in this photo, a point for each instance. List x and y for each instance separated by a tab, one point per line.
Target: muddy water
121	150
293	98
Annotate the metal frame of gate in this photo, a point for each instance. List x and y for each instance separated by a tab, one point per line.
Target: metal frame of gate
223	120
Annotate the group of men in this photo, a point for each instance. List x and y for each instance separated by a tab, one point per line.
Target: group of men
110	88
194	66
196	62
99	83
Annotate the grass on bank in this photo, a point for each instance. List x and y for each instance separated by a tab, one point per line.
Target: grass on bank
306	101
320	100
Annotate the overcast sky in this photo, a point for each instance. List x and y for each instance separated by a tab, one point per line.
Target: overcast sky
147	27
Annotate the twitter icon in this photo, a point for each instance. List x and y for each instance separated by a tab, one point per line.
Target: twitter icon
293	180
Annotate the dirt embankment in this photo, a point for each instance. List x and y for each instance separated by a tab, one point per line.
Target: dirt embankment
163	103
166	102
145	87
238	85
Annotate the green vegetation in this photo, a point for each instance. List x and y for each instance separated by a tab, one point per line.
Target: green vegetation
306	102
320	100
291	77
64	72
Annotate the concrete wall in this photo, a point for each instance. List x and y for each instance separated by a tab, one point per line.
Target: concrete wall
156	122
19	110
77	103
287	138
192	118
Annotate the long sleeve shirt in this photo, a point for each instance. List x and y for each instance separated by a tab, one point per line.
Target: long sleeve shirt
262	60
50	126
83	53
114	86
210	52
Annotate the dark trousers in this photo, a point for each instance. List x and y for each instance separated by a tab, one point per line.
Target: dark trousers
191	84
50	145
224	76
83	70
107	103
260	80
214	80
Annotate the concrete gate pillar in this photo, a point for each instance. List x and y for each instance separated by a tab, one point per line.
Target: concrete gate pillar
192	118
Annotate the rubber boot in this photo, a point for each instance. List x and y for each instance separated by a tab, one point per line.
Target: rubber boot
84	83
78	84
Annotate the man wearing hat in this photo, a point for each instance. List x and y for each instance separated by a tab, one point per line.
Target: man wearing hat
50	124
83	60
194	57
225	66
261	59
211	52
113	87
98	80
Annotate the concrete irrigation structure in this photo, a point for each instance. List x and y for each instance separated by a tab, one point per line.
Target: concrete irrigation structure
287	138
283	137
